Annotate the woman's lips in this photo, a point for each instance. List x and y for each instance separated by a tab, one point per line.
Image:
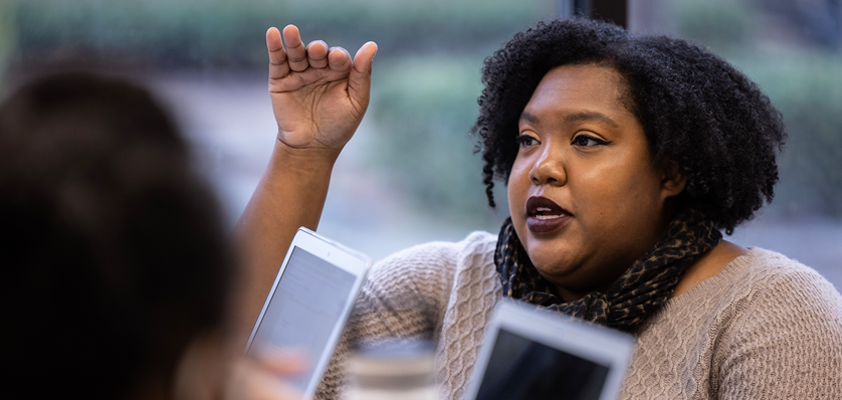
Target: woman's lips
545	216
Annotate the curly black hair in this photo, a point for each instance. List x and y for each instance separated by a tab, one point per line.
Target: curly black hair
695	108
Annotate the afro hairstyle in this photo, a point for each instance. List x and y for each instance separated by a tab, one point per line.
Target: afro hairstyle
695	109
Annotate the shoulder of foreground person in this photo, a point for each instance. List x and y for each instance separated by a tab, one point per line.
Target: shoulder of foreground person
786	341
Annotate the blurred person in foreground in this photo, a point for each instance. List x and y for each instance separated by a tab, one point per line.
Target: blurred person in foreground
625	158
117	273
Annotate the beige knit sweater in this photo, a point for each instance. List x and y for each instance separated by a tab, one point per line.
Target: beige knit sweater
766	327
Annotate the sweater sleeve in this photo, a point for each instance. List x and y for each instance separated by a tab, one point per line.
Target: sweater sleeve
403	297
787	342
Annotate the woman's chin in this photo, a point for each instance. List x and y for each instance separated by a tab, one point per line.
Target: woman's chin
552	265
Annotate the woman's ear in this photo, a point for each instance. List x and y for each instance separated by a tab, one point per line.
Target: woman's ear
672	180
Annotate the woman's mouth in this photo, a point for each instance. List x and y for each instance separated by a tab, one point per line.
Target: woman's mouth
545	216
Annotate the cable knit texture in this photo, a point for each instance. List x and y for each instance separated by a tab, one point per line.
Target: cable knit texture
766	327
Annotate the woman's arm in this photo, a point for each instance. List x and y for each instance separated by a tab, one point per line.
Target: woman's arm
319	96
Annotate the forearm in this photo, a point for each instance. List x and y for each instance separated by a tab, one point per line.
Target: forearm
290	194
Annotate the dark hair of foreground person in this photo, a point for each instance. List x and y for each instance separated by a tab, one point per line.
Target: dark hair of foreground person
695	109
113	251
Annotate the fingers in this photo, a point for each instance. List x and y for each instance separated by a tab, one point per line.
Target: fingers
359	81
339	59
296	52
299	57
282	361
278	67
291	55
252	381
266	387
317	54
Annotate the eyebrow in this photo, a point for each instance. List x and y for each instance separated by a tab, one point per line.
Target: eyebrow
575	117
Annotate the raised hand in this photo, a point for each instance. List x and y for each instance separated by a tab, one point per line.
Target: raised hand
319	94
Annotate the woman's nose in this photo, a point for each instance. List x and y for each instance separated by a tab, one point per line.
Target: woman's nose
549	168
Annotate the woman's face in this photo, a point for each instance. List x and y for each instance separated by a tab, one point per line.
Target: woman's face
585	198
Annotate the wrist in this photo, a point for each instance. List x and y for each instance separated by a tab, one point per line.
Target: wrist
303	159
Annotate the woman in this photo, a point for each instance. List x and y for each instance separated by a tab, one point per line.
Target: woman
624	157
116	266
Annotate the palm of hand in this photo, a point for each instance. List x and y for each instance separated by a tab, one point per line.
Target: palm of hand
314	112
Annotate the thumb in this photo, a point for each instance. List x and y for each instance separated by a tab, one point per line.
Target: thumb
359	81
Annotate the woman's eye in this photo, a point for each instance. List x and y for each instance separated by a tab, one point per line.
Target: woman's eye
526	140
587	141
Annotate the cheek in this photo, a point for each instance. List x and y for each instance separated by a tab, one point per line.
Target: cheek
630	195
516	187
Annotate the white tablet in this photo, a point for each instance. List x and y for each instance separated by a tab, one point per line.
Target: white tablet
537	355
309	303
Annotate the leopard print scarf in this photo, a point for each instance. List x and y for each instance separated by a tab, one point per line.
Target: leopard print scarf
639	291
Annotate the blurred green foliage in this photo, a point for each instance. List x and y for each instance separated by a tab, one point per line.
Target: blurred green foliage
427	77
424	108
802	79
807	89
723	25
427	71
8	33
224	33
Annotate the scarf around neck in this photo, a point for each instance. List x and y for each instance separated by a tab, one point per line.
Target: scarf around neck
642	289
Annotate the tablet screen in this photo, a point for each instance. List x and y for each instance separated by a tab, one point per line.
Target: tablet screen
301	317
520	368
